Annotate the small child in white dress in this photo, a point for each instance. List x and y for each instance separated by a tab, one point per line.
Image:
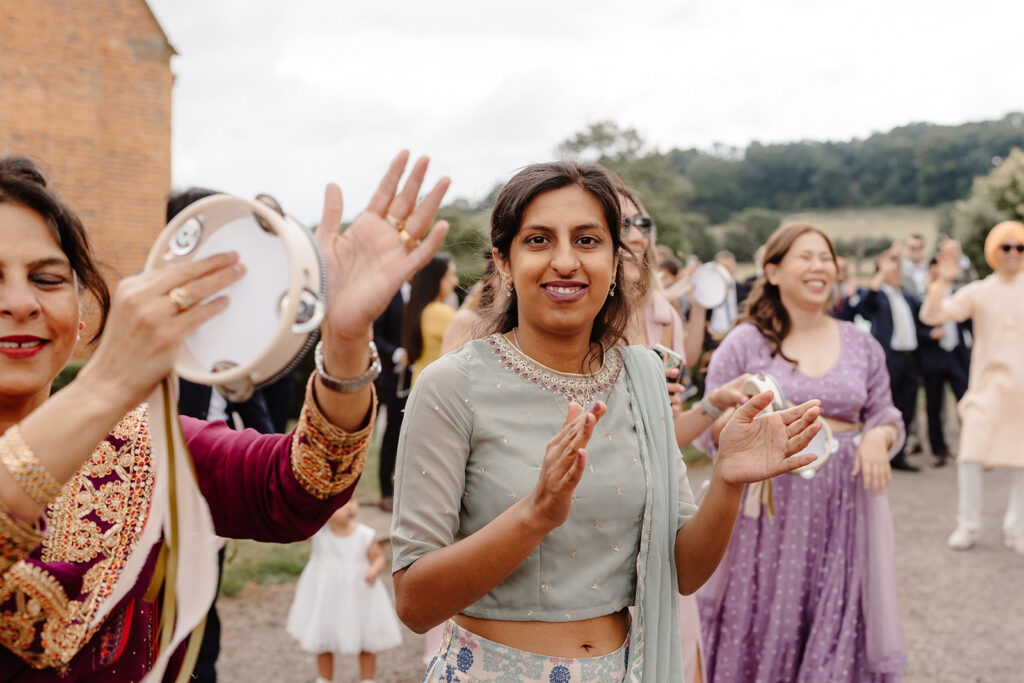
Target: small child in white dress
339	605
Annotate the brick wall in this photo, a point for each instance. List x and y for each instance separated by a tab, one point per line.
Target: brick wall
86	91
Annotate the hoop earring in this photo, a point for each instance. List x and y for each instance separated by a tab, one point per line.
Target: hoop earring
509	287
611	290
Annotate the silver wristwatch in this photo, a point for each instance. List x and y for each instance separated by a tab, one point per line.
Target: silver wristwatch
347	386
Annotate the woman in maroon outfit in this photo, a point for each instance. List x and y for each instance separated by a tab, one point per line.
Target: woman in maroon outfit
71	512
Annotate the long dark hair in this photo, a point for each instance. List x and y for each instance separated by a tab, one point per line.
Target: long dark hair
763	308
426	285
22	183
507	218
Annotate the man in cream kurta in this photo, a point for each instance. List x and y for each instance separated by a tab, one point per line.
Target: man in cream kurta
992	432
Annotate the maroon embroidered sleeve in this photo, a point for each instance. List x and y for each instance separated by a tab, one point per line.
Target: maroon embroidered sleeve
276	487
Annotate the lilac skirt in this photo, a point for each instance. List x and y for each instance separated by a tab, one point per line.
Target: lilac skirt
809	595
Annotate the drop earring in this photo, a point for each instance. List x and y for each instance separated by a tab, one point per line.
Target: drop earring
508	289
611	290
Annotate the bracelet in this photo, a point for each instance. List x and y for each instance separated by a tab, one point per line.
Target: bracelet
26	469
346	386
709	409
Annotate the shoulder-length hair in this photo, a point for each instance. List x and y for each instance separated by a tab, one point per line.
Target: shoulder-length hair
763	308
507	219
22	183
425	287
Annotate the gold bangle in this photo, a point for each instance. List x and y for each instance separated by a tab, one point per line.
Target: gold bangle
26	469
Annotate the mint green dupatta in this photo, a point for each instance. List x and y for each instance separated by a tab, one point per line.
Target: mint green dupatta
655	639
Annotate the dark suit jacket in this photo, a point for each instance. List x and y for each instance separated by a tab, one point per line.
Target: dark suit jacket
387	335
194	401
848	307
875	307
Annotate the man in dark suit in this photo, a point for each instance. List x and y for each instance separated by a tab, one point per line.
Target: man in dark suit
892	312
945	357
391	384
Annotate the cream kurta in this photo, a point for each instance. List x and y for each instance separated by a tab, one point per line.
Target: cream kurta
992	430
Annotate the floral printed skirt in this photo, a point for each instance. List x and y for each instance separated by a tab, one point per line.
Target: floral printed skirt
464	657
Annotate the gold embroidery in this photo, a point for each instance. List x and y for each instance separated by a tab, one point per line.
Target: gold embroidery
17	539
97	518
326	460
23	465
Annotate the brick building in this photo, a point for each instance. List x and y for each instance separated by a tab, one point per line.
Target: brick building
87	93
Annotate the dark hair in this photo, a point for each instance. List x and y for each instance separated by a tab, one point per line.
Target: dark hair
22	183
670	264
764	306
507	218
178	201
426	285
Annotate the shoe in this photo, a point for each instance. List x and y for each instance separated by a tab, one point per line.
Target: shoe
939	459
387	503
962	538
905	466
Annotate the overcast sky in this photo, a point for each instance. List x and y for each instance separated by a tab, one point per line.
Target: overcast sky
281	97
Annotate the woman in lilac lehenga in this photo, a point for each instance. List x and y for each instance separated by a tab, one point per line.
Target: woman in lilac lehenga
807	588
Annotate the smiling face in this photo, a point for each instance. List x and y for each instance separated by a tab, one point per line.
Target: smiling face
39	308
806	274
561	262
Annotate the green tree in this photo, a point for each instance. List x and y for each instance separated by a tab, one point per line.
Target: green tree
664	192
995	197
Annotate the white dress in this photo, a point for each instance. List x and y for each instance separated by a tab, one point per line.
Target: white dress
334	609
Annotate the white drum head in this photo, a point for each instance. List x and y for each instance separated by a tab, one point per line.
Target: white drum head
710	285
822	446
275	309
762	382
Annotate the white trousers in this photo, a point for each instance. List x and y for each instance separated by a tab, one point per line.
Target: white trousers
969	476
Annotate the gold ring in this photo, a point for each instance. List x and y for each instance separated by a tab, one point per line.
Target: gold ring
397	224
182	299
410	243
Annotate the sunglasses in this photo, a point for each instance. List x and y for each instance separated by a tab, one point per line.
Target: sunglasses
642	223
1010	247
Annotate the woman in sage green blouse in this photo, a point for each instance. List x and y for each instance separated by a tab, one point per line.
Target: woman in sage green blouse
539	488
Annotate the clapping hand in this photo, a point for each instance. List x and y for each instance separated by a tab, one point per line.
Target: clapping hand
756	447
563	466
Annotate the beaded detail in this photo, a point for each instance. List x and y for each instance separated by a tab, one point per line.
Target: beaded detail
17	539
582	389
96	521
326	460
26	469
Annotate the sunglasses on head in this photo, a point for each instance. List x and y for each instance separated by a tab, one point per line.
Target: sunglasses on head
642	223
1010	247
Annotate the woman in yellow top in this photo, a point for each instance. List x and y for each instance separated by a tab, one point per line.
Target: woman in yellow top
426	315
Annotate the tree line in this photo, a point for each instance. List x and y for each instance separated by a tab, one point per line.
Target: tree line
748	190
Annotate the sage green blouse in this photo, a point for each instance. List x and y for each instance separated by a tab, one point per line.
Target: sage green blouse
475	431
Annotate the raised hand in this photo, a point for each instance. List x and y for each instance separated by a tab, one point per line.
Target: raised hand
369	261
753	448
563	466
151	315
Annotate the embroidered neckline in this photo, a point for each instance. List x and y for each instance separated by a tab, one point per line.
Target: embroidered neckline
583	389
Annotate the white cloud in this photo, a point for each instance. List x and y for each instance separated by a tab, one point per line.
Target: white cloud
282	97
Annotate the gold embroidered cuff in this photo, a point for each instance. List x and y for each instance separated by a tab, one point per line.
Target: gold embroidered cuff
326	460
26	469
17	539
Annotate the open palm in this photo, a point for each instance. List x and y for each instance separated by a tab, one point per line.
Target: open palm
756	447
369	261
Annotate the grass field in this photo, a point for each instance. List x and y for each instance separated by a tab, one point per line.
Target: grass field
894	222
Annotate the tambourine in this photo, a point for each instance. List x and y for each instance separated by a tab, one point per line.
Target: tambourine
710	285
822	446
275	310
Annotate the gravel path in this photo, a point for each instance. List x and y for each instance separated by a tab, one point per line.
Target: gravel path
963	612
